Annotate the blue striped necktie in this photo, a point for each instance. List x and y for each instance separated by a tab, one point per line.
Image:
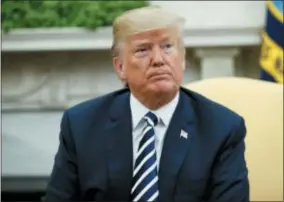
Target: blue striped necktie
145	175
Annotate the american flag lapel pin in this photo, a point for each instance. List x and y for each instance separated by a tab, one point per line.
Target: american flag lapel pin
183	134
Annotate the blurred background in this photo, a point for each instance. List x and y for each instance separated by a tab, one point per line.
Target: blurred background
56	54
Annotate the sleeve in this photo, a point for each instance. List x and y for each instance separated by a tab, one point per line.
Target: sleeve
230	174
63	181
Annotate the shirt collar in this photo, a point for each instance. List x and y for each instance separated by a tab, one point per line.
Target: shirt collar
165	113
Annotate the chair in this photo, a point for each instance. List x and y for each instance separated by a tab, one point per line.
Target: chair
261	105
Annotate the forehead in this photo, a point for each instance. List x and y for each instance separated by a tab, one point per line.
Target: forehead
153	36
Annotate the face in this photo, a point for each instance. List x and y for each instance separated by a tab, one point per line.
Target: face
152	62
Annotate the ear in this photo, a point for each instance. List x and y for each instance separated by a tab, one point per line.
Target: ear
182	54
119	68
183	65
184	62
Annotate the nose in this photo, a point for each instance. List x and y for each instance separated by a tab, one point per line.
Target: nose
157	58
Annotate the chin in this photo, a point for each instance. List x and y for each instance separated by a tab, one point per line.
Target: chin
163	87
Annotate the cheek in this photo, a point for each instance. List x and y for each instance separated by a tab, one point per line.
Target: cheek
177	67
137	69
176	63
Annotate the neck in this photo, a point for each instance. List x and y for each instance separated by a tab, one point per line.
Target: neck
154	101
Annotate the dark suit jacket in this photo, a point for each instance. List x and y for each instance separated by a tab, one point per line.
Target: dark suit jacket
94	159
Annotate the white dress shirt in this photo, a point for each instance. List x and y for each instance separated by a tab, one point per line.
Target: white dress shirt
164	114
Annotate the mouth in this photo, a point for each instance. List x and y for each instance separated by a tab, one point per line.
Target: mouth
159	76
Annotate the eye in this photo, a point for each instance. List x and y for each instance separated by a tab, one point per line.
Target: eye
141	50
167	46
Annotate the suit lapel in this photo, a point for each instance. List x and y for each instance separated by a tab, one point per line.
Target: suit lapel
119	149
175	146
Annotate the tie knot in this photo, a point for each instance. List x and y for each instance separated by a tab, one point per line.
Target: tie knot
151	119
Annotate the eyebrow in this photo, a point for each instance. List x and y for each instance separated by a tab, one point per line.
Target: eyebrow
142	43
146	43
167	38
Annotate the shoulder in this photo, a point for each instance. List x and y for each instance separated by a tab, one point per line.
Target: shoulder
95	106
212	113
215	122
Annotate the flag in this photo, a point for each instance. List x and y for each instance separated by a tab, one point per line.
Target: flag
271	57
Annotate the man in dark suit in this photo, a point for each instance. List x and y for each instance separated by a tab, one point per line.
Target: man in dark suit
154	140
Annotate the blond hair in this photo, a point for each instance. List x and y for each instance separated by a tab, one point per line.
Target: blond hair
141	20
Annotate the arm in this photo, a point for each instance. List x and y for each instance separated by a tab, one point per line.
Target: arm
230	174
63	182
